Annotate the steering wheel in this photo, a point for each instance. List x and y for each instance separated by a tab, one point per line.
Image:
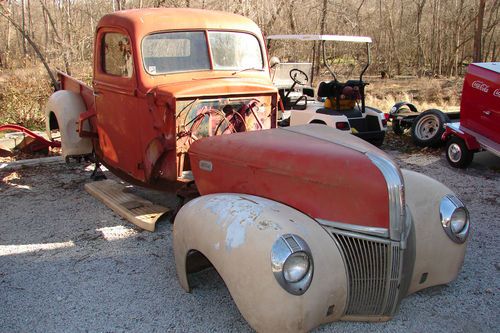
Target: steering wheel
298	76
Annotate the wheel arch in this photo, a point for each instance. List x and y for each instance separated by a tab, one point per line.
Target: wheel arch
235	233
62	112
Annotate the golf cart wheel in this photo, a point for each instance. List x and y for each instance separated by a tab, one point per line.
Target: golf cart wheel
397	128
457	153
428	128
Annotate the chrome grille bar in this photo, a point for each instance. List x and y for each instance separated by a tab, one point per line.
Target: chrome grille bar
374	273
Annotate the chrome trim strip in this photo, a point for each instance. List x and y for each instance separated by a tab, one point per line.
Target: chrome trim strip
379	232
395	189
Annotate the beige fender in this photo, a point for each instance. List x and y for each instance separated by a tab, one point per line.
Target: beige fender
236	233
67	106
435	253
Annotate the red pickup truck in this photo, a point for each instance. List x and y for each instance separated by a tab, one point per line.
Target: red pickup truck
305	224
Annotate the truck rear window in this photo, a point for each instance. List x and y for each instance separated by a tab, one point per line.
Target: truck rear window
188	51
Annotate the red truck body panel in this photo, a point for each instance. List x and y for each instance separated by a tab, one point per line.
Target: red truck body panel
138	128
335	182
480	106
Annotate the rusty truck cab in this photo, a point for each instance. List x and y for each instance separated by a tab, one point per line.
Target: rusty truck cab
164	78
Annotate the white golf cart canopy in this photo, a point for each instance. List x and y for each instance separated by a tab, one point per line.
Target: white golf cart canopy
335	38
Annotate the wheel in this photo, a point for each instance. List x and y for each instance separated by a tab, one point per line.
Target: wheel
397	128
428	128
298	76
457	153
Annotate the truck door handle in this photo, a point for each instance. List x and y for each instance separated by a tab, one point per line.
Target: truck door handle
96	94
487	113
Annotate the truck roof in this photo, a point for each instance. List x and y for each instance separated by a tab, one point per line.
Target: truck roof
492	66
335	38
140	22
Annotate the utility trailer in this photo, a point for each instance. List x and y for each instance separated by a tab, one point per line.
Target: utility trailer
426	127
306	224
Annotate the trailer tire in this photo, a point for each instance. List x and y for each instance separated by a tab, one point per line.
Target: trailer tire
397	128
428	127
457	153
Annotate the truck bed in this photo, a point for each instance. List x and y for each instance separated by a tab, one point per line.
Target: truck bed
70	83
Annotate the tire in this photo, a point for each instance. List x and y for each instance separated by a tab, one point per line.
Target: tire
397	128
428	127
457	153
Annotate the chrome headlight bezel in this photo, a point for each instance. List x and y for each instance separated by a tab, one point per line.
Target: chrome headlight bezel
286	247
450	205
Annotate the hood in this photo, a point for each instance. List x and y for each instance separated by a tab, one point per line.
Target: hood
218	87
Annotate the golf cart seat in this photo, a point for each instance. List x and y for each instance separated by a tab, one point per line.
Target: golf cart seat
334	88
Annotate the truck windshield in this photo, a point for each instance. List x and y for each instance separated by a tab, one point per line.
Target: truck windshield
188	51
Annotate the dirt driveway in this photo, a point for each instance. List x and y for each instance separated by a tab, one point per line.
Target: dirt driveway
68	263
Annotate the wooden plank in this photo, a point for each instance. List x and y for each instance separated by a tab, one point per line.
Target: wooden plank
139	211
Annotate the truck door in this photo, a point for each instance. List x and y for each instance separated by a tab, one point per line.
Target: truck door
116	102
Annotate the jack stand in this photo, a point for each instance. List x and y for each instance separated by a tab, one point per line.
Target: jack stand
185	194
97	174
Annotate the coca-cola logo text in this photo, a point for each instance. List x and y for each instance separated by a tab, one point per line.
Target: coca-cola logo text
496	93
480	86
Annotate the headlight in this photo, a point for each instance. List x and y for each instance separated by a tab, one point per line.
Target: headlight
296	267
292	263
454	218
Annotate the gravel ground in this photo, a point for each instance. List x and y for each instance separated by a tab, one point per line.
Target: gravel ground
68	263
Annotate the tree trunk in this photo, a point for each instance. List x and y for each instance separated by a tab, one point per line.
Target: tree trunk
35	48
322	29
478	31
420	50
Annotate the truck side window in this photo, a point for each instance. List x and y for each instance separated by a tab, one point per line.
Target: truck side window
116	55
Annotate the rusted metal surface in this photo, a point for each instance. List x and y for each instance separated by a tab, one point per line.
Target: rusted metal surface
135	121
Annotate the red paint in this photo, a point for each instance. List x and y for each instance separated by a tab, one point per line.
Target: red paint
480	106
133	120
318	177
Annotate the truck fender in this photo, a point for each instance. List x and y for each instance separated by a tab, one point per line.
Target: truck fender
438	259
236	233
63	112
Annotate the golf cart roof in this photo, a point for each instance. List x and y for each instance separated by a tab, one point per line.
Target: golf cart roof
336	38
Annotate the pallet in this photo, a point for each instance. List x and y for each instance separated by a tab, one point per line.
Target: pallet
139	211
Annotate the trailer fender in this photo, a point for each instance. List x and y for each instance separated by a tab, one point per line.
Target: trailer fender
63	112
236	233
396	107
438	258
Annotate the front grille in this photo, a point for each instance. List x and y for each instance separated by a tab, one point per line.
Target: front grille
374	273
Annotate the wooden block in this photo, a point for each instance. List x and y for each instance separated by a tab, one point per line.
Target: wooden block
141	212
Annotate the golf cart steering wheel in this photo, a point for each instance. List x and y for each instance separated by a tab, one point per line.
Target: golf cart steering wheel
298	76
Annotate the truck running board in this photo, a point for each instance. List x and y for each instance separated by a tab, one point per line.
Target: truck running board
139	211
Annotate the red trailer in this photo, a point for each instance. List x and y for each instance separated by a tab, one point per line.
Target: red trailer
479	126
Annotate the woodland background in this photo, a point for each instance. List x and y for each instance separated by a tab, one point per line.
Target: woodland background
420	38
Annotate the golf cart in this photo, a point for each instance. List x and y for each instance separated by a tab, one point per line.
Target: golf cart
334	103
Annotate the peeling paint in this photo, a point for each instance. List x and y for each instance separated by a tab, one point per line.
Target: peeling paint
268	224
235	216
